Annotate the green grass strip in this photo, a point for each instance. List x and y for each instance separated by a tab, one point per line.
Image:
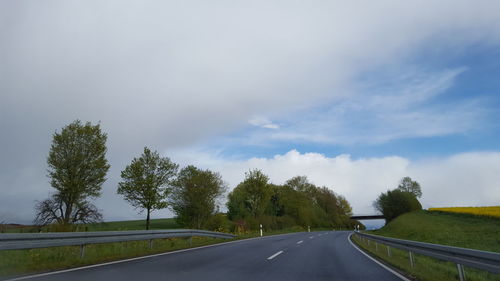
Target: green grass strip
425	268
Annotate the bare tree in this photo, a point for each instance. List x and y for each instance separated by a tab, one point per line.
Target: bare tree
408	185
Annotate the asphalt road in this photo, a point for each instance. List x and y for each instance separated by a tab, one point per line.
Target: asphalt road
298	256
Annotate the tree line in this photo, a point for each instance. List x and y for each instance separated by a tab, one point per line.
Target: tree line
295	203
77	169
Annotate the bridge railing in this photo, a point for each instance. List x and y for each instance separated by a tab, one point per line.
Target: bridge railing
483	260
19	241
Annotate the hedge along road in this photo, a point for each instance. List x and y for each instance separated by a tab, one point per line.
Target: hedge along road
297	256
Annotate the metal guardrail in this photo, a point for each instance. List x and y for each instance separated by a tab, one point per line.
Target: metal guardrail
19	241
488	261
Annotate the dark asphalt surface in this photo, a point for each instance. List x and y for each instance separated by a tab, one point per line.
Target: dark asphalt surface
325	256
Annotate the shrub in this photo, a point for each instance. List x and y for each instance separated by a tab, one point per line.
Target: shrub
396	202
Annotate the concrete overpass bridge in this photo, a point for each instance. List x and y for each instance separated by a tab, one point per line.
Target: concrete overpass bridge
367	217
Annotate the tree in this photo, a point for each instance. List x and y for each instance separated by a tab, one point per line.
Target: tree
145	182
251	197
408	185
194	196
300	183
77	169
395	203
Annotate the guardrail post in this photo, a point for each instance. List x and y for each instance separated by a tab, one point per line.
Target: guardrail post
412	260
190	241
376	247
388	251
150	244
461	272
82	251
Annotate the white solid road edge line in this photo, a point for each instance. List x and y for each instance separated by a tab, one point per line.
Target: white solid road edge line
275	255
379	263
138	258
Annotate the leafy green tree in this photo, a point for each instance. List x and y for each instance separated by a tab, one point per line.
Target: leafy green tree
297	201
145	182
236	204
395	203
408	185
77	169
301	184
195	195
251	197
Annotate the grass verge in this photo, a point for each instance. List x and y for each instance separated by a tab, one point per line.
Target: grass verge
425	268
459	230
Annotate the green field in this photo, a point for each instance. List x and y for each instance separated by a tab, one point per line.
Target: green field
133	225
155	224
466	231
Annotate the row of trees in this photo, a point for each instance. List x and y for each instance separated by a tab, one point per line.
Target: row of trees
152	182
77	168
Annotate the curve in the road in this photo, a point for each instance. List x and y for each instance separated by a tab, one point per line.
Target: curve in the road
298	256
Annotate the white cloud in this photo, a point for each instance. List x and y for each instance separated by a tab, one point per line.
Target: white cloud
469	179
263	122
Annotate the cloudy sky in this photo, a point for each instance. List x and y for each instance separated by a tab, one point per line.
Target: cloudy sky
354	95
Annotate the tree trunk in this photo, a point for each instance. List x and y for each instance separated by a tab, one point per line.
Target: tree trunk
147	220
67	213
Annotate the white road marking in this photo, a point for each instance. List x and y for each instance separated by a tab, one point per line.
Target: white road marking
300	241
379	263
311	237
275	255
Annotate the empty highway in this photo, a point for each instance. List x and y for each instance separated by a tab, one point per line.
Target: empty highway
298	256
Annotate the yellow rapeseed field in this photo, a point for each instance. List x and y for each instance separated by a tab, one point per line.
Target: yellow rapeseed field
493	211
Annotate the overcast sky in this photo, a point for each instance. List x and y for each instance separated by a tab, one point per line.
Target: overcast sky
354	95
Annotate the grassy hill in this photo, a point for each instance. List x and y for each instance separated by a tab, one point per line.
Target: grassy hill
453	229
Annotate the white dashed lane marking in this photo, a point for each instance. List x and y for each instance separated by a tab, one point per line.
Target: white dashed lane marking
275	255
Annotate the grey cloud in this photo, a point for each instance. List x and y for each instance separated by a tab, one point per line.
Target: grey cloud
170	75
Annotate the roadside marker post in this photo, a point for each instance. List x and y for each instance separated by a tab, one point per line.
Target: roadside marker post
461	272
82	251
412	260
261	230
